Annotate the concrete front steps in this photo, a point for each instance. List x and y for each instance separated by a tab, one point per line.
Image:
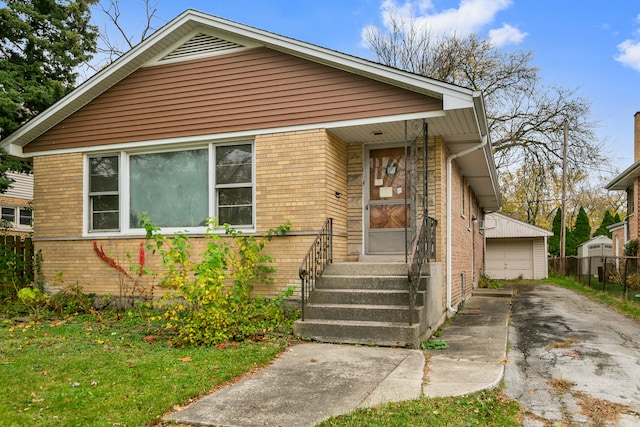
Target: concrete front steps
364	303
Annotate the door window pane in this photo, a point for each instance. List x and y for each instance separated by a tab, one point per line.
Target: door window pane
171	187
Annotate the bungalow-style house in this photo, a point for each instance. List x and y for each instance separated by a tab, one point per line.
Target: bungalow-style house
15	204
628	181
212	118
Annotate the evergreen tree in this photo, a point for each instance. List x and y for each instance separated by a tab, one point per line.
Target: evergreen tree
41	44
616	218
607	220
571	246
581	231
554	241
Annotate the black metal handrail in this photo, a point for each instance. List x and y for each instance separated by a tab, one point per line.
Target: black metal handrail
422	249
320	254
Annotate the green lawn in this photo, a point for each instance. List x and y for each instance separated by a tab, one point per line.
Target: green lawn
118	371
488	408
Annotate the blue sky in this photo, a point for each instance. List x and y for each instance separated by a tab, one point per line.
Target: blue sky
587	45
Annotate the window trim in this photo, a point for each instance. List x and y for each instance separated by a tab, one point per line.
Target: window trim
16	224
89	208
124	189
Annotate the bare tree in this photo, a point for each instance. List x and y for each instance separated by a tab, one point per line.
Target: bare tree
115	39
525	116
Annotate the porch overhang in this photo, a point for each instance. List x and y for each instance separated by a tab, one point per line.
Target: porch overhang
458	128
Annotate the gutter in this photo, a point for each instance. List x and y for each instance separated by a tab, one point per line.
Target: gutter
482	127
450	159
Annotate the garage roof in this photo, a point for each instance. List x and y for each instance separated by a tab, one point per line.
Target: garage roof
498	226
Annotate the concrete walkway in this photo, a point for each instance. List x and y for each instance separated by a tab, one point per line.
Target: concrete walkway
311	382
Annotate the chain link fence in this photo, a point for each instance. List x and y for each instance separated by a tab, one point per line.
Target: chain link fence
616	275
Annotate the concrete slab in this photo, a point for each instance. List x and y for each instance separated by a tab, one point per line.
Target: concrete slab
451	377
477	346
309	383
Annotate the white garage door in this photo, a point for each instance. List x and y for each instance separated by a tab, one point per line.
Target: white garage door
509	258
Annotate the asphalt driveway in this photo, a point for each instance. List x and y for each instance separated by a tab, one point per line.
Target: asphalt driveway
573	362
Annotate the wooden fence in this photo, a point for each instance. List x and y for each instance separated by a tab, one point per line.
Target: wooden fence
16	258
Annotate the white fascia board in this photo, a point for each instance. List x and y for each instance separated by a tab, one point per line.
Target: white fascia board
14	150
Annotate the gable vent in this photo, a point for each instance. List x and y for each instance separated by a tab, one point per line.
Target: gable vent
201	44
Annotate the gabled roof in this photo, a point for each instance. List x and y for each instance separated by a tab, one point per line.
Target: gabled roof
172	35
498	226
462	118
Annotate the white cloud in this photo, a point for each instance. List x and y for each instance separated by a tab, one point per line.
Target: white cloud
629	54
471	15
506	35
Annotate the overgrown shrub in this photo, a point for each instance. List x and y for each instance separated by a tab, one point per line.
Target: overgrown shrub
12	268
631	248
487	282
70	300
210	299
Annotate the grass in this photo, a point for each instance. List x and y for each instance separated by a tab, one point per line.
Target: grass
630	307
119	370
488	408
108	371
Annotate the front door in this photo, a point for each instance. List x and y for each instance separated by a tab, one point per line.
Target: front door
387	201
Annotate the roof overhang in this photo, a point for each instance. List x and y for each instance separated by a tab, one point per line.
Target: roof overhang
626	178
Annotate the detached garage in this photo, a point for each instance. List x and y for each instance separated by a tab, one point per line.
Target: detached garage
514	248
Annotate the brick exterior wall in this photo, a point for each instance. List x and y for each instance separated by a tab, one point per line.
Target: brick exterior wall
355	184
467	241
617	239
57	196
297	177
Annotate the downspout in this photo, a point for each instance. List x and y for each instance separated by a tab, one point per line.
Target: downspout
449	263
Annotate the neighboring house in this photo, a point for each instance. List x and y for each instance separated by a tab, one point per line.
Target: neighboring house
15	204
514	248
628	181
618	237
212	118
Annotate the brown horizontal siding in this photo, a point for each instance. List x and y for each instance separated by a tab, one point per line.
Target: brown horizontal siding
249	90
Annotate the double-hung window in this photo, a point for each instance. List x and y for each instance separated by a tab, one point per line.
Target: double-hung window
16	217
104	194
234	186
177	189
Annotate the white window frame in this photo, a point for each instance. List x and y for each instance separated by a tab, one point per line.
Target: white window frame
88	208
15	223
124	189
